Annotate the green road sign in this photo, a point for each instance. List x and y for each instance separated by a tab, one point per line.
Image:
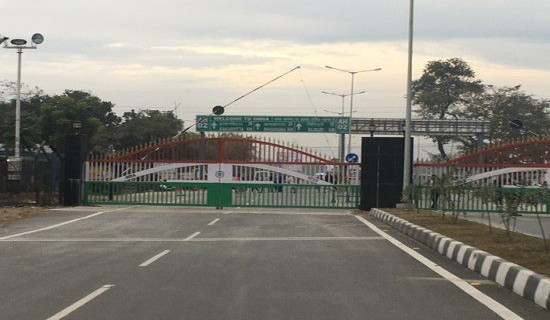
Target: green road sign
272	124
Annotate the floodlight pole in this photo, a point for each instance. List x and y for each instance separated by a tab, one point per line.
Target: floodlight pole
19	48
350	110
18	106
342	140
15	165
407	149
351	96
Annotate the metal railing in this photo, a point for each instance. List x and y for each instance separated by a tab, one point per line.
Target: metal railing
524	200
221	194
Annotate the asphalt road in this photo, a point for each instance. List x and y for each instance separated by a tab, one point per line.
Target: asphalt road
196	263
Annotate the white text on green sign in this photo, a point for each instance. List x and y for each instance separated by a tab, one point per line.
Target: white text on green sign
273	124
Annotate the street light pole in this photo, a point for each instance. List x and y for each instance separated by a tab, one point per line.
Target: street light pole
350	111
407	149
18	106
342	142
19	45
351	96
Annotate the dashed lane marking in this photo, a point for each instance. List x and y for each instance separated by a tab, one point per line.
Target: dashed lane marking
214	221
155	258
192	236
63	313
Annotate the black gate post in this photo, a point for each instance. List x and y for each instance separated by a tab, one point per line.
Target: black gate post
75	155
381	172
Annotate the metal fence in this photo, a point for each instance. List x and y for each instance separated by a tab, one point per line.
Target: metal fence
527	200
484	174
37	182
221	194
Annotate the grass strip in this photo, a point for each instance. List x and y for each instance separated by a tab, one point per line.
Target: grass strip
11	214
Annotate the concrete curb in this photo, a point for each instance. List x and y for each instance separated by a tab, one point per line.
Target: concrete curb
520	280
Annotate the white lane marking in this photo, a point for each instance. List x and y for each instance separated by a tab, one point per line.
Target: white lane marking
63	313
193	240
74	209
496	307
192	236
155	258
214	221
228	212
61	224
482	281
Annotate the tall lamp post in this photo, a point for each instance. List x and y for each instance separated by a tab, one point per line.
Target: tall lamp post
408	148
341	146
19	45
351	96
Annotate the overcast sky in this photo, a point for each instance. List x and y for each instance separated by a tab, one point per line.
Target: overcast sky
204	53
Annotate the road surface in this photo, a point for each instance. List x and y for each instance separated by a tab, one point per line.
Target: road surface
198	263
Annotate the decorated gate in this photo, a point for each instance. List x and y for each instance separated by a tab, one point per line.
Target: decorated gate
485	179
221	172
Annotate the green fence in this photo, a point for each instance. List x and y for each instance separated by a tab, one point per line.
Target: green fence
484	199
221	194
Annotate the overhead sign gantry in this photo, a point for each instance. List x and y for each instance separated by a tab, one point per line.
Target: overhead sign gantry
296	124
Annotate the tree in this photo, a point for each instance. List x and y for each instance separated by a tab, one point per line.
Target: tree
501	105
145	126
59	113
441	91
8	91
29	131
31	99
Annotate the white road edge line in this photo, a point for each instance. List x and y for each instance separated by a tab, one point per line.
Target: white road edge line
490	303
192	236
155	258
63	313
62	223
214	221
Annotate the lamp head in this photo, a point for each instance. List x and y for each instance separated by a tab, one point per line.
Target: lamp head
37	38
18	42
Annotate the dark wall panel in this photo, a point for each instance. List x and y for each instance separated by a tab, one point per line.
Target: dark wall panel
75	155
381	172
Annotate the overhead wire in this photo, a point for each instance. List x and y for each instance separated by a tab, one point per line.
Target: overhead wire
315	111
237	99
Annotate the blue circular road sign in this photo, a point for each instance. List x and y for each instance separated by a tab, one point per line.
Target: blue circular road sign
352	158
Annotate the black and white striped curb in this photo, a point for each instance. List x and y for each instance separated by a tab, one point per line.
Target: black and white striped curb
522	281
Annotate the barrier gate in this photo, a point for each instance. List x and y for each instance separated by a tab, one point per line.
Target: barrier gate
221	172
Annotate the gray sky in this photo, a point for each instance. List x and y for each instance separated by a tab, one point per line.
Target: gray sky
204	53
